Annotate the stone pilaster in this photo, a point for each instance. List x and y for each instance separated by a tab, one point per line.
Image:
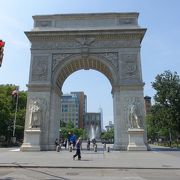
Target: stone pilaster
122	96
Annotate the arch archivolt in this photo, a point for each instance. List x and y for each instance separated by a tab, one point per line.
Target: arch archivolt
65	64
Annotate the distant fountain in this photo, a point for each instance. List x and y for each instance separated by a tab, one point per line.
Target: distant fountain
94	132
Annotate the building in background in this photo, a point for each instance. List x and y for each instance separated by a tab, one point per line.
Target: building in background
109	126
70	109
82	101
92	124
147	102
74	108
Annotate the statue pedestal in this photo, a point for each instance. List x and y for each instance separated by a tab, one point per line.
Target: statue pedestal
32	140
136	140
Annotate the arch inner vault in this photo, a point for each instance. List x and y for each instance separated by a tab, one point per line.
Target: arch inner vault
62	44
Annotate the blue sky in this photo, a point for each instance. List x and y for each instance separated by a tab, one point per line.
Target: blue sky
160	47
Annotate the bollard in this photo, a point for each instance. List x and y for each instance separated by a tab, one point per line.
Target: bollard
108	149
58	147
95	148
104	146
70	148
88	147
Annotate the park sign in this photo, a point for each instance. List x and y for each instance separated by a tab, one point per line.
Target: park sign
2	43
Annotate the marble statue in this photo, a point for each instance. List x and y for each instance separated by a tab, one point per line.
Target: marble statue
133	117
35	115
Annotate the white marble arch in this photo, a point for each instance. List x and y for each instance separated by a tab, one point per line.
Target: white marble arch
62	44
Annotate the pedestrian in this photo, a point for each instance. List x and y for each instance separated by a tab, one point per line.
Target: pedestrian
94	142
73	140
78	149
56	142
69	139
88	144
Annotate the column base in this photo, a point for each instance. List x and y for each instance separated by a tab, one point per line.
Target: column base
31	140
118	147
136	140
30	147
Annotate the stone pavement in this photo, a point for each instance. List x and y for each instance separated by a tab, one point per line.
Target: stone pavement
158	158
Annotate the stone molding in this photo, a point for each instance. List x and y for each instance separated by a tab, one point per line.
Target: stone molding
98	35
73	44
88	15
32	87
126	87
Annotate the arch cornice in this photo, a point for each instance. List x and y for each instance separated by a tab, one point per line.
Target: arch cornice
121	34
75	62
128	87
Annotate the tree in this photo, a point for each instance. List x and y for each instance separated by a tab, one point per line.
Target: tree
152	127
108	136
7	111
166	110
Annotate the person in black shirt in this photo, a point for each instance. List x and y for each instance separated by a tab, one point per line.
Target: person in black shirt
78	149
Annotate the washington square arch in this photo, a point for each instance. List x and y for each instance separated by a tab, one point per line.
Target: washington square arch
64	43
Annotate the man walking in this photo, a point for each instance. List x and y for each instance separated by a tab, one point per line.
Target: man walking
78	149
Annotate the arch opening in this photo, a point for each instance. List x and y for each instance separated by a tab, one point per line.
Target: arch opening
96	88
72	65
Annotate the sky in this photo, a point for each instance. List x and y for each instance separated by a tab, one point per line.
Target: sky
160	48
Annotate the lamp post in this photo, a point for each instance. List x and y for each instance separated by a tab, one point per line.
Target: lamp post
15	94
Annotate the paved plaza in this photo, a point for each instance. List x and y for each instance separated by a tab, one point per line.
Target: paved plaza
160	163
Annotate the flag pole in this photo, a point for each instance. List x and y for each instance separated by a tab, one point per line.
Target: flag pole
14	126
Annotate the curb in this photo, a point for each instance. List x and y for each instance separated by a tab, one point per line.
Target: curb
90	167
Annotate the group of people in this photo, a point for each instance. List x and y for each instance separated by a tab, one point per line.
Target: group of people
73	142
61	142
89	142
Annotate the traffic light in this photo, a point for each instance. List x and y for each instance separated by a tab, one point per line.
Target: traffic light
1	51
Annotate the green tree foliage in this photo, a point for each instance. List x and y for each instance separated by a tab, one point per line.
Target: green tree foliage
7	112
108	135
166	111
152	127
69	127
